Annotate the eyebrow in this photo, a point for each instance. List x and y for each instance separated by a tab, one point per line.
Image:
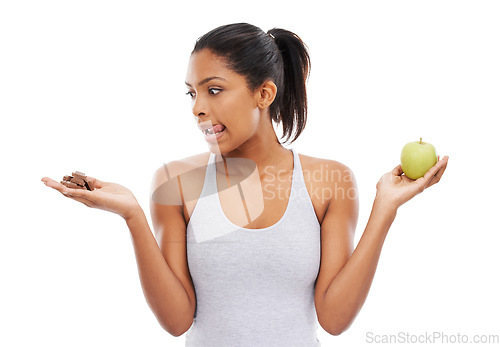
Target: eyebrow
208	79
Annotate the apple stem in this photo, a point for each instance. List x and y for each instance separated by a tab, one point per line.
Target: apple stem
420	140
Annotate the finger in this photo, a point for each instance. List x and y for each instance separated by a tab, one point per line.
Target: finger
432	173
433	180
437	177
82	200
63	189
76	193
49	182
95	182
397	171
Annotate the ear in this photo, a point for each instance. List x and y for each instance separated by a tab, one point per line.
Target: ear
266	94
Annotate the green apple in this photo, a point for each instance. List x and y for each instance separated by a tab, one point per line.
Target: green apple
416	158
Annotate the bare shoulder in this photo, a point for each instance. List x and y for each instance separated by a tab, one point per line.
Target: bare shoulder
326	180
329	169
200	159
180	182
184	168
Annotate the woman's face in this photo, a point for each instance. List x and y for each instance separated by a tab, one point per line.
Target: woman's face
221	96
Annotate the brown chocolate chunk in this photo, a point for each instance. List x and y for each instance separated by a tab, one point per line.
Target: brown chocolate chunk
89	185
78	181
70	184
79	174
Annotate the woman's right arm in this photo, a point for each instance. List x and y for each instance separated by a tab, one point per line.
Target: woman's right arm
162	266
164	292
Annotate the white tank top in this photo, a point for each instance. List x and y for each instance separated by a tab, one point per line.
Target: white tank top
254	287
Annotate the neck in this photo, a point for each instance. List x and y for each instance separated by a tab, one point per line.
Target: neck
263	148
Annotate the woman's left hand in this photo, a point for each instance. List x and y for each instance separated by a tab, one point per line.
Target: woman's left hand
394	188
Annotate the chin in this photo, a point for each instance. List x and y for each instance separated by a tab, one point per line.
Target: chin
218	149
215	149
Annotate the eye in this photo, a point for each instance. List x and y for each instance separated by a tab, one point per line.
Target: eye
191	94
214	91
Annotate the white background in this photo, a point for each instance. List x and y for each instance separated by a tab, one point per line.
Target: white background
98	86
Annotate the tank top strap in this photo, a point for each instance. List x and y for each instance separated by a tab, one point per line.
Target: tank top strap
208	220
206	223
295	187
302	202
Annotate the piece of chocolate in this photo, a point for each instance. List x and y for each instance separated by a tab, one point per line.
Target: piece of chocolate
79	174
77	181
71	185
89	185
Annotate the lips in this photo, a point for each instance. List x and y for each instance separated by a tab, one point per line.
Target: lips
209	129
216	128
220	131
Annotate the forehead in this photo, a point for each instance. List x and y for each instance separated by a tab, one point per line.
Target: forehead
205	63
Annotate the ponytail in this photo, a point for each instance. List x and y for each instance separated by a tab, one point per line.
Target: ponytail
297	66
278	55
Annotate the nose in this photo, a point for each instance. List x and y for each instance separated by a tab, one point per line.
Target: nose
199	107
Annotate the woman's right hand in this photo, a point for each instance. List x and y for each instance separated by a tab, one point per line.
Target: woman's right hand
106	196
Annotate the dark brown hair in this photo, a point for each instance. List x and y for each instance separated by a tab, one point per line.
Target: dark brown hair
278	55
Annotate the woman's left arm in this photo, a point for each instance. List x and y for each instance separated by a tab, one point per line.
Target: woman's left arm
344	281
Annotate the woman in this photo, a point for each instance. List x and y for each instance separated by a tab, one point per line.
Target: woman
253	249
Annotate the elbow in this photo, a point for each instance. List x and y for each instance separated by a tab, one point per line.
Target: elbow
182	331
336	327
176	332
336	331
177	329
175	323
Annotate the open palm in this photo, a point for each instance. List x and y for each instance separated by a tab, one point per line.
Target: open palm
106	196
396	188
